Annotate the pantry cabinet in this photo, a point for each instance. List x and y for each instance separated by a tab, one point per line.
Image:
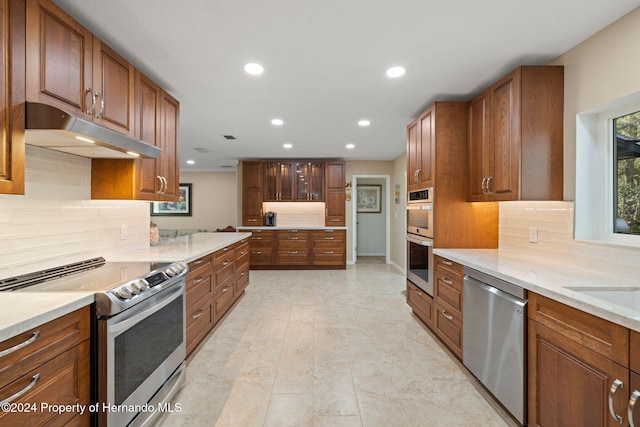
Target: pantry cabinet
334	194
516	137
252	193
12	92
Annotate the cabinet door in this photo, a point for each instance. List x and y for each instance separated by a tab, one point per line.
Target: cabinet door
569	384
252	193
479	147
270	181
427	149
169	119
634	387
147	129
309	177
504	179
59	59
413	156
113	82
12	60
334	194
286	181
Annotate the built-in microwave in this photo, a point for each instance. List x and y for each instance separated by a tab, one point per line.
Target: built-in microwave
420	212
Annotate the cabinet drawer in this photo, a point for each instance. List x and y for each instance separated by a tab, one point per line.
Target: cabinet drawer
449	328
45	342
198	289
261	256
64	380
293	244
224	276
199	322
242	254
260	235
199	263
222	301
242	279
448	291
328	256
445	265
293	235
223	257
292	257
328	235
601	336
196	277
421	303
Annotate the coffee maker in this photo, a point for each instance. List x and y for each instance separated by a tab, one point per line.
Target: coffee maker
270	219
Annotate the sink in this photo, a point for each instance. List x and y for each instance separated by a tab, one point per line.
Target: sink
626	297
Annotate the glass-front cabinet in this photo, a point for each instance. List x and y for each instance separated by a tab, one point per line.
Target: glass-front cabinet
310	181
293	181
278	181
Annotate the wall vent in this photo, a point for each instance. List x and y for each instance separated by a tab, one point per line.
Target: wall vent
229	137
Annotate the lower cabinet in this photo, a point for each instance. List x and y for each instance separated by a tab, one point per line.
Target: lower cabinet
52	368
578	367
214	283
421	303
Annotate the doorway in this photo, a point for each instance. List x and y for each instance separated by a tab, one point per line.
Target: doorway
371	222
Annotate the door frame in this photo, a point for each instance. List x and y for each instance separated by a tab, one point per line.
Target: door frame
354	215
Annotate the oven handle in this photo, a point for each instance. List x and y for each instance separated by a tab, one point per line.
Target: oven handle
420	241
131	317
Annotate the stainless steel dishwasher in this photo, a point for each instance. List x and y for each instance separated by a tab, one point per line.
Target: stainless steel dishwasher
494	337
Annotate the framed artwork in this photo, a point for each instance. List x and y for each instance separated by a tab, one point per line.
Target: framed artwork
180	208
369	199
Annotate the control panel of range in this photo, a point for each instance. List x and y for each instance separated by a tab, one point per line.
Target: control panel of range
139	286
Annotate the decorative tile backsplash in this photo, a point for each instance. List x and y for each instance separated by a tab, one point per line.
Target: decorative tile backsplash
554	224
56	223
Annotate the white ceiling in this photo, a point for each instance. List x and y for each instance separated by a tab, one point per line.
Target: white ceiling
325	63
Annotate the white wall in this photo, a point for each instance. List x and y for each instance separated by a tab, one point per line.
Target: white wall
398	244
371	233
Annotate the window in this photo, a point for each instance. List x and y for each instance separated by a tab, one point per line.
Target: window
626	169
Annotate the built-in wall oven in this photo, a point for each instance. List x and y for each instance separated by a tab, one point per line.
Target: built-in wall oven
139	333
420	239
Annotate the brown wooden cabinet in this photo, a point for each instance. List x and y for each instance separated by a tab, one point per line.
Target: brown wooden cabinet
421	151
447	301
574	359
421	303
241	250
252	192
278	181
334	194
309	181
199	303
328	247
516	137
53	368
70	68
261	247
292	247
224	288
12	93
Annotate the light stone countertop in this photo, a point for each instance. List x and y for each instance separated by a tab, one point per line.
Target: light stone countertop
264	227
549	278
184	248
21	311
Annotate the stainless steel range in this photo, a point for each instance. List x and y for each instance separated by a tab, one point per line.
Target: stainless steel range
139	333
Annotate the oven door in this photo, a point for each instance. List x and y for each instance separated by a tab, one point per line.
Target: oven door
420	219
138	351
420	263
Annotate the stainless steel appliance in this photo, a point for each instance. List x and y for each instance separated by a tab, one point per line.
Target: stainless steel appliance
270	219
139	337
494	337
420	239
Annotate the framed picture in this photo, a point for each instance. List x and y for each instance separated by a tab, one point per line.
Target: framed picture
369	199
180	208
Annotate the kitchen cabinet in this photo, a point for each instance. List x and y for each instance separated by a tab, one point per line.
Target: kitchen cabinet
70	68
574	359
52	367
309	178
252	193
421	151
278	181
224	288
261	247
199	302
292	247
516	137
12	94
334	194
447	303
157	121
421	303
241	250
328	247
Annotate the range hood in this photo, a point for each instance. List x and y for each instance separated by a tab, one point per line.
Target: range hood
52	128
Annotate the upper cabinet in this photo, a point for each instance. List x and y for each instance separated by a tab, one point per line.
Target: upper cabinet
71	69
278	181
516	137
12	63
309	178
293	181
420	151
334	193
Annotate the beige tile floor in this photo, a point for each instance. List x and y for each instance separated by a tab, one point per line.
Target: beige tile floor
328	348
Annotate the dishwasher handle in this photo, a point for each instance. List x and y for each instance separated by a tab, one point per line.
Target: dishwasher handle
497	292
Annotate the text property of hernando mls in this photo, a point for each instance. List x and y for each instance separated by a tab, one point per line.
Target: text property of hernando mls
94	407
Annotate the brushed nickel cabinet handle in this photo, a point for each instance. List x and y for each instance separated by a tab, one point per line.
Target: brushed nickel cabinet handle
445	262
418	176
447	316
226	263
335	220
418	292
292	238
99	95
198	314
89	91
252	220
225	290
447	281
256	252
489	180
615	386
17	347
632	404
161	184
328	238
328	252
31	385
199	280
292	252
484	182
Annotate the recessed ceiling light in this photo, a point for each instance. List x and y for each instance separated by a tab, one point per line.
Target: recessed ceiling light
350	146
364	123
287	145
277	122
254	69
394	72
191	162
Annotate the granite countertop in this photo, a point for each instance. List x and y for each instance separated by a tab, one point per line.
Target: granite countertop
549	278
264	227
21	311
